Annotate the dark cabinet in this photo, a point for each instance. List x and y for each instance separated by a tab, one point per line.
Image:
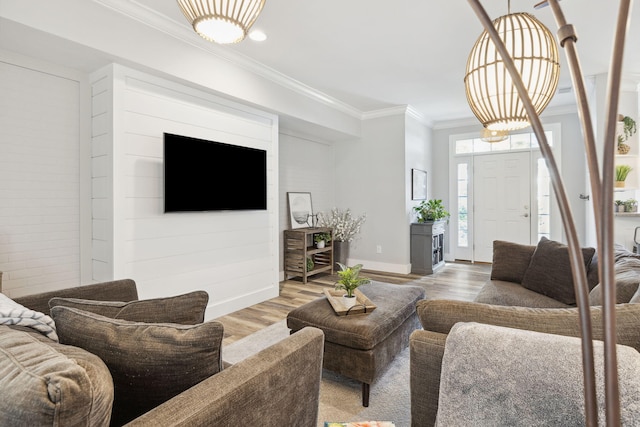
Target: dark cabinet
427	247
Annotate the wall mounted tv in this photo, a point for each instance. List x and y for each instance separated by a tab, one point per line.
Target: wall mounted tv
202	175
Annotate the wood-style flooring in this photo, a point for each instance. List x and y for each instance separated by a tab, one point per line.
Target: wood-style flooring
456	280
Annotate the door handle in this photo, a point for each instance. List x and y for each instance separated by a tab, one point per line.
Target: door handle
526	215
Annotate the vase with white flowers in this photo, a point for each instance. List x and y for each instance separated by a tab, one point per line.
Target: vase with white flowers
345	228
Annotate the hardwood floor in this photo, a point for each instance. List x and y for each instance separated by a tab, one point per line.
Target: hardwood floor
456	280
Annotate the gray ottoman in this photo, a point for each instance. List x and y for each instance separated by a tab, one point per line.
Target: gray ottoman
362	346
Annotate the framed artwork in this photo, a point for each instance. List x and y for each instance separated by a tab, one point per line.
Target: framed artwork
300	210
418	184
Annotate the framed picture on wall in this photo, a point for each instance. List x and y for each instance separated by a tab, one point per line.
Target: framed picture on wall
300	210
418	184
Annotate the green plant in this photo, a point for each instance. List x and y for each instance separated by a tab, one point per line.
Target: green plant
310	264
629	128
622	171
630	205
322	237
431	210
350	278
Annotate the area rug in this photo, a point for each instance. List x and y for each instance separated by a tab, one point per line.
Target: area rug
340	397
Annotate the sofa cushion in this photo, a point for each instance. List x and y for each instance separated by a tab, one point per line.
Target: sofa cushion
627	278
510	260
45	383
150	362
550	270
500	292
496	376
186	309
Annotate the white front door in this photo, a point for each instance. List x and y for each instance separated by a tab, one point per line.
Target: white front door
502	201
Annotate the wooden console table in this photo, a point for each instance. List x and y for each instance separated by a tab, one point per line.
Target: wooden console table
298	246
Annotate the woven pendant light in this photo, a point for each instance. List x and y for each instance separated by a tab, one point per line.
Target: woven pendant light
490	91
222	21
492	136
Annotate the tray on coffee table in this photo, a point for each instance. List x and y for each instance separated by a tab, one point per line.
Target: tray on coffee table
363	304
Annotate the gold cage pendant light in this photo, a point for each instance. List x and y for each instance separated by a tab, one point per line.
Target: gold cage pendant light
491	94
222	21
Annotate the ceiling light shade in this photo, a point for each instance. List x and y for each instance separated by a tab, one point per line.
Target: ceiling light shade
221	21
491	94
487	135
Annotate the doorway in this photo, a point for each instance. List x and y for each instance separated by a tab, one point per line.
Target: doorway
500	191
502	194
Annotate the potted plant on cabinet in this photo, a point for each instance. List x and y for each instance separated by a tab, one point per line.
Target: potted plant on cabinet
431	210
321	239
349	280
622	171
618	205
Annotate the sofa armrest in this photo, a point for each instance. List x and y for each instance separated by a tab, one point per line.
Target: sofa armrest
279	385
441	315
117	290
496	376
425	362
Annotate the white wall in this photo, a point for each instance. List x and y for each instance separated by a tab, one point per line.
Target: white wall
231	255
42	214
374	177
305	166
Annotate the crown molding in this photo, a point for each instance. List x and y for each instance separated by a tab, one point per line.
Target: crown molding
149	17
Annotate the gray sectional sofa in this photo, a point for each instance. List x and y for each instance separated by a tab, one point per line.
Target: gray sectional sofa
504	301
148	374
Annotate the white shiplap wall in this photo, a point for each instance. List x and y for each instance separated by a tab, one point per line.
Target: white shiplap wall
231	255
40	209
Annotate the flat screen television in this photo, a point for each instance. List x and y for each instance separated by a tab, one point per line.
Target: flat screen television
202	175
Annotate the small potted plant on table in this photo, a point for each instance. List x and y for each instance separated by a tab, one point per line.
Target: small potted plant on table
349	280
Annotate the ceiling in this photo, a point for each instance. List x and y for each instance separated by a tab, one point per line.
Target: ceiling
373	54
378	54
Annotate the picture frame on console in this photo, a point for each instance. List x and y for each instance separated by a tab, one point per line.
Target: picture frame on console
300	209
418	184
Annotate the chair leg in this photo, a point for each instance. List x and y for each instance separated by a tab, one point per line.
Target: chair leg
365	394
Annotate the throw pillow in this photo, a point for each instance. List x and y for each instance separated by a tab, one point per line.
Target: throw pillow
627	279
150	362
43	383
510	260
550	271
186	309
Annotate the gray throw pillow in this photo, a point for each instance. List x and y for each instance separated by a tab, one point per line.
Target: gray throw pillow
627	279
550	271
150	362
43	383
510	260
185	309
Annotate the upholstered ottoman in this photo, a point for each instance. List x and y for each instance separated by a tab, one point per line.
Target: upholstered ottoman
361	346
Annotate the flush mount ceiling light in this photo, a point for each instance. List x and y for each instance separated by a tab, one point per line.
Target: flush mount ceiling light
222	21
490	90
487	135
